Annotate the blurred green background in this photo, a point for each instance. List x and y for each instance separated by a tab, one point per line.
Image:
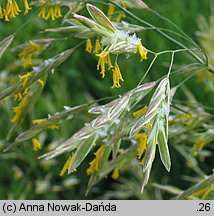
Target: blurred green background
76	81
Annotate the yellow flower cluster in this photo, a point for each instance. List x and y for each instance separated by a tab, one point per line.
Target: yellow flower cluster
113	41
29	51
203	193
41	82
49	10
148	126
142	52
12	9
24	97
104	59
199	145
94	165
111	11
89	46
38	121
117	76
36	144
24	78
18	96
142	137
19	110
65	167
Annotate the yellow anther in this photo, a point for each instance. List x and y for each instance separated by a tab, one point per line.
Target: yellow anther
142	52
89	46
142	137
140	112
37	121
115	175
97	46
36	144
94	165
117	76
66	166
41	82
24	78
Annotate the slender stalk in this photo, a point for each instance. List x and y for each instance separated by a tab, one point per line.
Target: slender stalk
147	71
171	63
178	73
169	51
26	22
173	24
186	79
172	32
